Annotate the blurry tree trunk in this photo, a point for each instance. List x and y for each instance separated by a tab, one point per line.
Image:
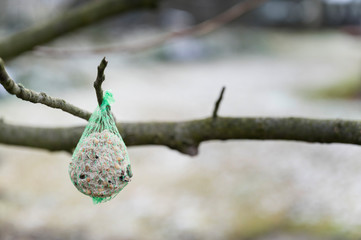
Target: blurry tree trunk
67	22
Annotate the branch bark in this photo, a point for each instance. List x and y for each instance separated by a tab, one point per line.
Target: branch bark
186	136
70	21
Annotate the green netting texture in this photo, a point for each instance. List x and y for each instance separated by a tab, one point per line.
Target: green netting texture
100	166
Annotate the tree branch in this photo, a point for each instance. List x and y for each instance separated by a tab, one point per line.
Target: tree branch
182	136
99	80
186	136
69	21
203	28
35	97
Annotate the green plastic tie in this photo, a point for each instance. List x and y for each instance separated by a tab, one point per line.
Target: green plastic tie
108	99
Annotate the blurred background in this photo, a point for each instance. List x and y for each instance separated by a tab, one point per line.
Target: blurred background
287	58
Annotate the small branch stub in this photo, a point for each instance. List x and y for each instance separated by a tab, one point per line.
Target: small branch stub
216	105
99	80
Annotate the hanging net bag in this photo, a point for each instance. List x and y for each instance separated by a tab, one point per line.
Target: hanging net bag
100	166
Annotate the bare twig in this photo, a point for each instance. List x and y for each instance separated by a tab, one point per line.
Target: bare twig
186	136
67	22
99	80
201	29
216	105
35	97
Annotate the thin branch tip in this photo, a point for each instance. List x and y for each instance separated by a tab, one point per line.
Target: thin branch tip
103	64
217	104
99	80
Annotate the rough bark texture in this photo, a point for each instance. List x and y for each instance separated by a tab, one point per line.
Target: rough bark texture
35	97
186	136
72	20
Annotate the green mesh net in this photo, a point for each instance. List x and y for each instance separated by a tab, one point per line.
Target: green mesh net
100	166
